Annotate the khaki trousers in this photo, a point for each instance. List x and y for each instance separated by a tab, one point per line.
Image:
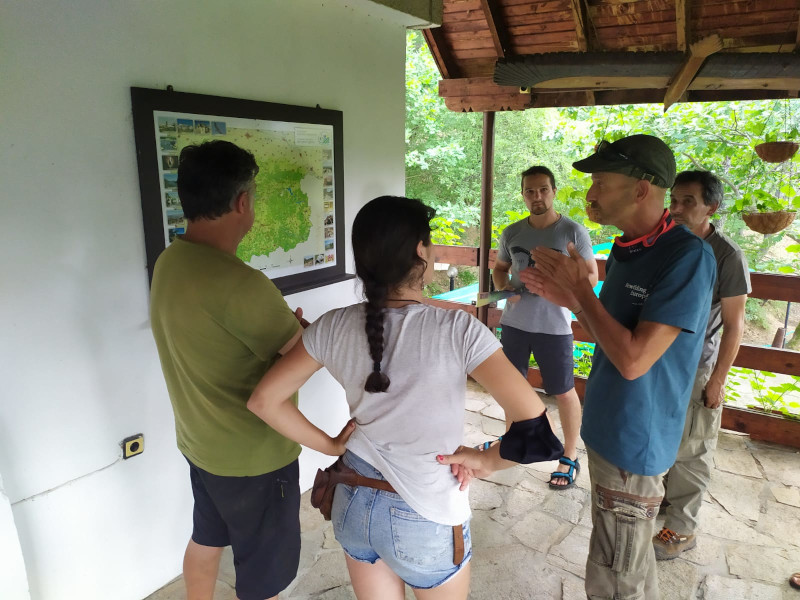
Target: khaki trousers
622	563
688	478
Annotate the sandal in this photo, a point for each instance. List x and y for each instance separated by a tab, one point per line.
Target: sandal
487	444
570	476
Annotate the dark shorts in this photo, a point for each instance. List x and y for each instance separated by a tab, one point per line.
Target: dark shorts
553	354
259	517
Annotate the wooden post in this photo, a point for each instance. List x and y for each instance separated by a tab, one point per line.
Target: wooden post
487	176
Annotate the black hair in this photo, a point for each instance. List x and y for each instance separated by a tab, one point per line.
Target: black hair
709	183
386	232
211	175
537	170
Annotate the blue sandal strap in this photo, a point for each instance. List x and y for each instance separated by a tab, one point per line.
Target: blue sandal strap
487	444
569	462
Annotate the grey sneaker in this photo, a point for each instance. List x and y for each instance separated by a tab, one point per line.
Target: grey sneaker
669	545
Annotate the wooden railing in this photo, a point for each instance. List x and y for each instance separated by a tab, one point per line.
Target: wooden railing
765	287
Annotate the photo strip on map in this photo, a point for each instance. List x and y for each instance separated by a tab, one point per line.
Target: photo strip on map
297	239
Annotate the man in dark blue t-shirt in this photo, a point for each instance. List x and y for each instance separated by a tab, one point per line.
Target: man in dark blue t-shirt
648	324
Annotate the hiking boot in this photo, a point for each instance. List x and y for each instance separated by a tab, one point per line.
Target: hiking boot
669	545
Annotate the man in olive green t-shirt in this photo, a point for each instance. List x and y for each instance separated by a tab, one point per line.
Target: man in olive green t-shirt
219	325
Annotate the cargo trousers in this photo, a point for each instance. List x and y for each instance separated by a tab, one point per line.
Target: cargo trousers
688	479
621	563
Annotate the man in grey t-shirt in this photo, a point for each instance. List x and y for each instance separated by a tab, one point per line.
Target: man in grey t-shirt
695	196
531	323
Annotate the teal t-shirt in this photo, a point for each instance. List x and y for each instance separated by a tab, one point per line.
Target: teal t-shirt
637	425
218	325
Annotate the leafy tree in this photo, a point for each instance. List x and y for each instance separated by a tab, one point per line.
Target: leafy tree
443	157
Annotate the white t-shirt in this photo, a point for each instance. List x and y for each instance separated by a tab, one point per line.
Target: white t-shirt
428	352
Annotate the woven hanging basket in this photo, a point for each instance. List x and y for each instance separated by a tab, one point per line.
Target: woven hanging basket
776	152
768	222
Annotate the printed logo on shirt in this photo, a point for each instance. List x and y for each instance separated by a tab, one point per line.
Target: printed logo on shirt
638	292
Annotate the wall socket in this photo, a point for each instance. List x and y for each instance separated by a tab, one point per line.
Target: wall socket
133	445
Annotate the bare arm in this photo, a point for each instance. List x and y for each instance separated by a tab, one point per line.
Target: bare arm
271	402
501	275
515	396
732	330
594	273
632	352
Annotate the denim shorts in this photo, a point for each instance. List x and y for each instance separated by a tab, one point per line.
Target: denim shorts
371	524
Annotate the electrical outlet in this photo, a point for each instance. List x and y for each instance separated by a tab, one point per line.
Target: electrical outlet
131	446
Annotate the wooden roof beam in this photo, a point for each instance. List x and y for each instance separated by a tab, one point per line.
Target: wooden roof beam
497	29
797	38
683	23
698	52
582	25
440	52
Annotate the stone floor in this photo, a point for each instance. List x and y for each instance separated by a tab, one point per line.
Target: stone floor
530	542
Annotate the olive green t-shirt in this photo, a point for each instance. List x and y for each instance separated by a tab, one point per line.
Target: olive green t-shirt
218	326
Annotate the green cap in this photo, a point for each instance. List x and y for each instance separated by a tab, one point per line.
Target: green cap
640	156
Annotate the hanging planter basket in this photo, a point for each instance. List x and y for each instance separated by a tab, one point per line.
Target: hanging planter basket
768	222
776	152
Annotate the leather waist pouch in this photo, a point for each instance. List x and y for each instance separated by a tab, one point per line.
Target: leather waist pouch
325	485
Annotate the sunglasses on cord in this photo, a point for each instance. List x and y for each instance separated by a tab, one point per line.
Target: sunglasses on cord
604	149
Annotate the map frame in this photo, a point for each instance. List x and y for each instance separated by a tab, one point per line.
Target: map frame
146	102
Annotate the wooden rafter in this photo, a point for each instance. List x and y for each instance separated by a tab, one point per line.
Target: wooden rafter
581	18
440	52
683	23
497	29
797	37
698	52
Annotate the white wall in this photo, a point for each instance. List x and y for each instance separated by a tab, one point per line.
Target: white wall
78	365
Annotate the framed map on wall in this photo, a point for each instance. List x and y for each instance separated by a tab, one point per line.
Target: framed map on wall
297	238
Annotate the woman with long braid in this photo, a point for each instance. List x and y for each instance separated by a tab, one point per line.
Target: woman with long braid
403	365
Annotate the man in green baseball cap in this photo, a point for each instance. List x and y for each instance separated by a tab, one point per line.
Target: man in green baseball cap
638	156
648	324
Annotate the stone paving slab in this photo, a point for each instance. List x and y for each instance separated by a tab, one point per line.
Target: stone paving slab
740	462
531	542
570	553
715	521
781	523
678	579
726	588
790	496
736	494
780	464
494	411
763	564
732	440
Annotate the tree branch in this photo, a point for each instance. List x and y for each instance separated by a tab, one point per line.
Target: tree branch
697	164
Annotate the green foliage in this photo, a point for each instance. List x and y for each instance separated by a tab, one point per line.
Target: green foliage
714	136
755	313
467	277
583	358
766	390
582	354
446	232
443	156
433	289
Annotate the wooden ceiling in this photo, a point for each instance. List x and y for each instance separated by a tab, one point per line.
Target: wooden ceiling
587	52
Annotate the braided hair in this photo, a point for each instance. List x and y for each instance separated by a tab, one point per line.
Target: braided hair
386	233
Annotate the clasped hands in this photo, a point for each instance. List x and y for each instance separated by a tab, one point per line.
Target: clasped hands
556	277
